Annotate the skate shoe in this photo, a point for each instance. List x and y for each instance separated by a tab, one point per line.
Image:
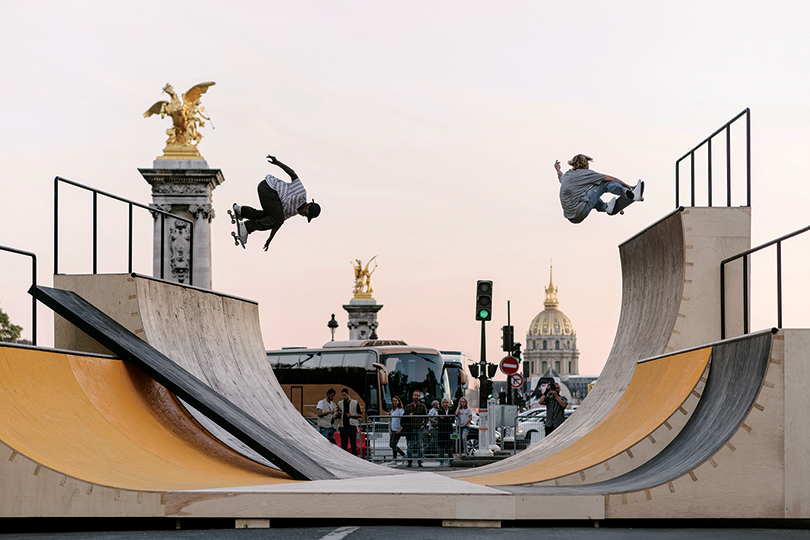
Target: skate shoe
237	211
611	206
638	191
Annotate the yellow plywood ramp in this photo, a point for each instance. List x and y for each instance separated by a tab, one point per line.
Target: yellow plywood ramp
99	420
656	391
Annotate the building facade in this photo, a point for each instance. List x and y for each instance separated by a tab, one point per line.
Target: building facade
551	342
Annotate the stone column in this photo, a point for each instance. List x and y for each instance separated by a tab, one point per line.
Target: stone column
183	187
362	318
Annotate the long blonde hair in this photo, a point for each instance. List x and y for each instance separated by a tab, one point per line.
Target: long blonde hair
579	161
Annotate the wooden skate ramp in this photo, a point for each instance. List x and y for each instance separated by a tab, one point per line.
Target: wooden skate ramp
670	302
180	382
658	389
102	421
216	338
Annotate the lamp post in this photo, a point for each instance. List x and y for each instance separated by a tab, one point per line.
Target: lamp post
332	324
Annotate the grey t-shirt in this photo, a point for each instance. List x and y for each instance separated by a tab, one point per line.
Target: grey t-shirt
574	184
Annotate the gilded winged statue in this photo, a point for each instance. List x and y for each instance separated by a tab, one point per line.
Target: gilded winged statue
362	278
186	114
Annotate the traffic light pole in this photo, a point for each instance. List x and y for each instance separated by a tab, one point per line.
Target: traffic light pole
482	372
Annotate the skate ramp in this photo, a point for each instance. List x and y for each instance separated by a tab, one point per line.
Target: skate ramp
102	421
658	392
217	338
180	382
670	302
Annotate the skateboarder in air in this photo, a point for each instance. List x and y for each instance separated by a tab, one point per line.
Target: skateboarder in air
581	190
279	201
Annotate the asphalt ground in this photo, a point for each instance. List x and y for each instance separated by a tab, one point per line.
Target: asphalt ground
374	532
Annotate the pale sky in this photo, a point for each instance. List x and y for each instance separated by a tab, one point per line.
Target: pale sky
426	130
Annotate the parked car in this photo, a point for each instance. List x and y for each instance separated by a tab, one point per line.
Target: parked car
531	426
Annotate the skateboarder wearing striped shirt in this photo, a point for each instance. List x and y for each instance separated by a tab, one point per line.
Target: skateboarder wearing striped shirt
581	190
279	201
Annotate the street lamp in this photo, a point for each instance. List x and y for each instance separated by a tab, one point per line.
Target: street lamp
332	324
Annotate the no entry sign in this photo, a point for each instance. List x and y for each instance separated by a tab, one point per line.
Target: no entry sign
516	380
510	365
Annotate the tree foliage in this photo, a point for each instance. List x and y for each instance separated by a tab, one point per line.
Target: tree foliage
8	331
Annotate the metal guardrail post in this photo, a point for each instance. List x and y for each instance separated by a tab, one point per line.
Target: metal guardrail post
33	287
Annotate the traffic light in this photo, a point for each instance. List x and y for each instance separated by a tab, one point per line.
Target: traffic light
492	369
483	301
486	388
474	370
508	337
516	350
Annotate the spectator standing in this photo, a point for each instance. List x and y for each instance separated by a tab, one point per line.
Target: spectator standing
555	407
396	427
432	427
325	410
418	411
464	414
349	413
445	429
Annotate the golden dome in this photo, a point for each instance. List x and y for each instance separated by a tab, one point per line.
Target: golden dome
551	321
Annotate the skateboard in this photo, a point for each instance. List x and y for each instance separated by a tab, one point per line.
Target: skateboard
624	201
235	220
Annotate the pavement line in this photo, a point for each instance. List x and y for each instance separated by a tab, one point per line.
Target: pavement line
337	534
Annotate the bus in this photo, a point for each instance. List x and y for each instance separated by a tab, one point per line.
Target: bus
372	370
462	384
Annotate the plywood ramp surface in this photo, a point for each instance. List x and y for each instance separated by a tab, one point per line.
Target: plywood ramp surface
659	387
217	338
102	421
670	292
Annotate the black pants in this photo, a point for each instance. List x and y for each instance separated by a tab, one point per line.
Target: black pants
549	429
348	434
394	444
270	216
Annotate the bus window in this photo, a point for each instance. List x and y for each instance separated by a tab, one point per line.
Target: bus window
358	359
416	371
331	360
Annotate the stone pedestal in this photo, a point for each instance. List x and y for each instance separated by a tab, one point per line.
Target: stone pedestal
362	318
183	187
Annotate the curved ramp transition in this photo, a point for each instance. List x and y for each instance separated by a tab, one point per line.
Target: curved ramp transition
102	421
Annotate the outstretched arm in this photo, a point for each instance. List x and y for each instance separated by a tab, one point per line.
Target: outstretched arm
614	179
285	168
559	171
272	234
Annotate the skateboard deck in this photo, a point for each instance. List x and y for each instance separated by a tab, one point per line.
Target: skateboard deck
235	220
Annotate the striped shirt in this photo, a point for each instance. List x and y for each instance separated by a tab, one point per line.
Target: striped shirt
292	194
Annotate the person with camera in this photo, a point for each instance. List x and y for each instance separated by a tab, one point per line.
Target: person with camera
555	406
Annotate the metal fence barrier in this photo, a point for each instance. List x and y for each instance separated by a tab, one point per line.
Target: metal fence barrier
436	441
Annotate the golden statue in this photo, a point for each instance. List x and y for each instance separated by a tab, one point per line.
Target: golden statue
186	116
362	278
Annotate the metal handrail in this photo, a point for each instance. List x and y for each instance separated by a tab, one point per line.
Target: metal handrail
33	287
744	255
708	140
96	192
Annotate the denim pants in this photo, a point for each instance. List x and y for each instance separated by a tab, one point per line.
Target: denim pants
593	199
415	444
329	433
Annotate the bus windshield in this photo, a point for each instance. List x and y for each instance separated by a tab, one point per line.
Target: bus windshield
454	376
409	371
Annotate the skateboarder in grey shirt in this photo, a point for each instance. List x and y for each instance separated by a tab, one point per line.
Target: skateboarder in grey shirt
279	201
581	190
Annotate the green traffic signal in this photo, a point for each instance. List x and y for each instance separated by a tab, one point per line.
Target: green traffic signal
483	314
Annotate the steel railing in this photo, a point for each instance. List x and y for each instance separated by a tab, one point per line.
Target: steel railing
96	192
377	435
708	141
33	288
744	255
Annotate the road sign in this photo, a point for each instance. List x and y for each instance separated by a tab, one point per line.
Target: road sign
516	380
510	365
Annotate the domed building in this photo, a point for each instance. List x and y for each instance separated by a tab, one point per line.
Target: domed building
551	342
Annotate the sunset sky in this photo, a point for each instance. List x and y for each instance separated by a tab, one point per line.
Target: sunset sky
426	130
